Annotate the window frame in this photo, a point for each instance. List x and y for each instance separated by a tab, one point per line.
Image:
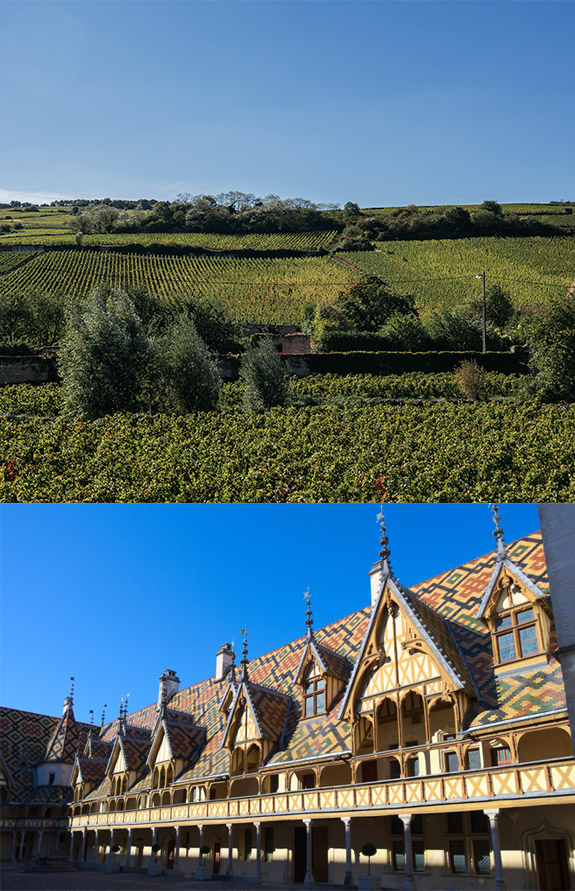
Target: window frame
314	688
514	628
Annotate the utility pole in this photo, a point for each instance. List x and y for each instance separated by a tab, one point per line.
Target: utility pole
483	313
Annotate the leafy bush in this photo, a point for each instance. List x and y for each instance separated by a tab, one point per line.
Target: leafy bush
551	338
470	379
190	379
368	303
104	356
406	333
265	378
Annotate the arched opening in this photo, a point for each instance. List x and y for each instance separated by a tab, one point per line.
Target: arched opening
85	809
335	775
218	791
387	735
253	758
180	796
156	799
441	720
166	799
156	778
303	779
237	762
390	767
413	719
197	793
244	787
169	775
112	806
363	737
131	804
539	745
273	782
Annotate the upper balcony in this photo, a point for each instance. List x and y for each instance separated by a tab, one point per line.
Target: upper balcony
489	786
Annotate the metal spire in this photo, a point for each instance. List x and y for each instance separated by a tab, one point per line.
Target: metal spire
501	550
104	714
384	552
71	697
244	662
91	717
308	615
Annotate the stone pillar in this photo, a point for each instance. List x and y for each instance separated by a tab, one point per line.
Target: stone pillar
96	847
348	881
71	853
406	820
152	854
128	848
200	855
177	850
13	853
308	880
83	851
57	848
39	845
496	845
230	868
258	875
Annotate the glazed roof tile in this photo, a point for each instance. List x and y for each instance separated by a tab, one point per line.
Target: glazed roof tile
445	606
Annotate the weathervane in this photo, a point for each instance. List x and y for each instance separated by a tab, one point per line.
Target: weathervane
498	534
384	552
308	614
104	713
244	661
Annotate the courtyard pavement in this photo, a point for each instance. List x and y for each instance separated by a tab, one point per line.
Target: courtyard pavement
15	878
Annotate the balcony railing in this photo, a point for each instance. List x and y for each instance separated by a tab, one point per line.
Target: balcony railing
33	823
488	786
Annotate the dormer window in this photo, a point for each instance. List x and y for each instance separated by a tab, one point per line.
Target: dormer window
313	692
516	635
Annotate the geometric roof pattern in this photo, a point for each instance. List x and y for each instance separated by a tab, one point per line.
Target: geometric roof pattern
28	739
444	609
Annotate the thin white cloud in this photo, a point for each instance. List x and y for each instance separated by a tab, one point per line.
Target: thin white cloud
7	195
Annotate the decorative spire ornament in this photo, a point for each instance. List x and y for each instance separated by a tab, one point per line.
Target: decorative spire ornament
384	552
498	534
308	615
91	717
72	692
103	714
245	660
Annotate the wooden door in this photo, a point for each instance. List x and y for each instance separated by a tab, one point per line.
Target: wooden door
551	859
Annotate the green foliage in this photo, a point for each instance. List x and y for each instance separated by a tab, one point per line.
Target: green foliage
492	207
406	333
266	382
36	318
104	356
551	338
460	330
189	376
470	380
368	303
368	850
444	452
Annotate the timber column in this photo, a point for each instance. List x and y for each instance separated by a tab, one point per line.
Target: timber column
496	845
348	881
308	880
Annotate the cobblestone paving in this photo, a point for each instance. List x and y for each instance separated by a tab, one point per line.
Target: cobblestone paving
16	879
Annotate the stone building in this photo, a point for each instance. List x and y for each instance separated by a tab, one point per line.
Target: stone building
432	724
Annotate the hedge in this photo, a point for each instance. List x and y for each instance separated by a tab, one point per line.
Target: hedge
399	363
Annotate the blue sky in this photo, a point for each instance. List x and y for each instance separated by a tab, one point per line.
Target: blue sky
115	594
382	103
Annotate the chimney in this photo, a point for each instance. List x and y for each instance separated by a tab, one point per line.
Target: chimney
67	705
375	581
224	661
169	686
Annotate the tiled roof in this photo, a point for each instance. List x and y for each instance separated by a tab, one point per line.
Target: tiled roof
91	770
58	795
446	609
67	737
25	740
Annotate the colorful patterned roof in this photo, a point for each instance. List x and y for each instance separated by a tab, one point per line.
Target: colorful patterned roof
58	795
67	738
91	770
445	607
183	736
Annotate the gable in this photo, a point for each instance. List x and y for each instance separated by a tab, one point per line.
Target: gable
163	753
118	761
245	724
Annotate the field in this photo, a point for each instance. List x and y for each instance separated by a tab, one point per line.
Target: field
259	290
442	273
441	452
275	290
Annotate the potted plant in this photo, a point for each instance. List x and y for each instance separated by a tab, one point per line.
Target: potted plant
113	865
368	850
203	871
155	868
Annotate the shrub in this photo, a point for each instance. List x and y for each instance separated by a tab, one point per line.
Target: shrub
405	332
368	850
104	356
551	338
266	382
470	379
188	372
367	304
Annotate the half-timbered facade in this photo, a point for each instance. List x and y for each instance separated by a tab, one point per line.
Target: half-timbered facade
432	724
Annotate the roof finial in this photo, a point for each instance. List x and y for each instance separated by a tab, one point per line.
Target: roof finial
384	552
308	615
91	717
245	660
501	551
104	714
72	692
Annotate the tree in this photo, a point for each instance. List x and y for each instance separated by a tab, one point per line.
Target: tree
188	372
104	356
367	304
405	332
551	339
492	207
266	382
368	850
